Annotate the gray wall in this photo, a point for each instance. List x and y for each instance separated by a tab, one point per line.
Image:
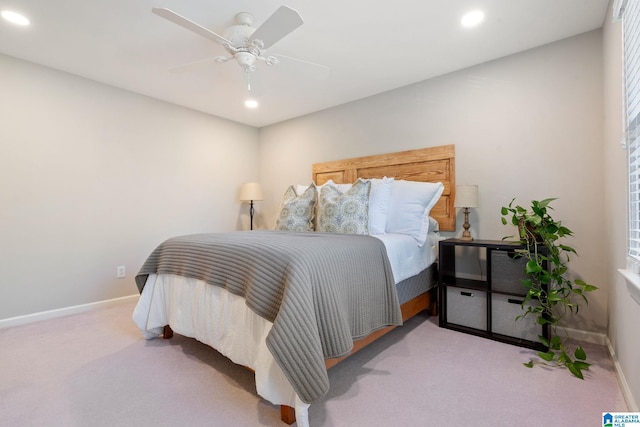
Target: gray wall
527	126
93	177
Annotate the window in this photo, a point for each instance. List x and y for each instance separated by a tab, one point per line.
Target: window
629	12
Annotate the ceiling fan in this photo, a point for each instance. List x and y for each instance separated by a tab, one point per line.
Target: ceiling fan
244	43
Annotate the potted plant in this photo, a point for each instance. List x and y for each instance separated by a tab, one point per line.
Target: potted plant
553	294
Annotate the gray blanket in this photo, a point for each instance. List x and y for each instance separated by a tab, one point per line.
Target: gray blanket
320	290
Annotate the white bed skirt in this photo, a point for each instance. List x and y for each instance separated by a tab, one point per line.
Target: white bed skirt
222	320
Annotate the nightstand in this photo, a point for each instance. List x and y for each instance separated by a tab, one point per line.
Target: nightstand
486	305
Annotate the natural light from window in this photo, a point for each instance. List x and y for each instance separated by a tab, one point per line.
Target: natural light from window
631	30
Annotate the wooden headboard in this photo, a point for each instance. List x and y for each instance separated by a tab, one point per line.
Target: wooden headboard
433	164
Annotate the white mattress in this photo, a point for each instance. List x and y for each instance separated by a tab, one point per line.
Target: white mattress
222	320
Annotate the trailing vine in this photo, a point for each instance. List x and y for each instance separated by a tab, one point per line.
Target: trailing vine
550	294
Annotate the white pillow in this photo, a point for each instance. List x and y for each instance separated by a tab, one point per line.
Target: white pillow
409	207
379	204
302	188
434	225
342	187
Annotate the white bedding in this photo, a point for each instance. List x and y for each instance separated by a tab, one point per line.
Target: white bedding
406	257
222	320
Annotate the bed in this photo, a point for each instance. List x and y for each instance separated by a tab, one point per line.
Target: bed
268	328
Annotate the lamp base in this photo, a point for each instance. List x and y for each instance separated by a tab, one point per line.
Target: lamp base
251	212
466	235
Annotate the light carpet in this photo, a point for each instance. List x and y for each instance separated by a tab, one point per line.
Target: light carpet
95	369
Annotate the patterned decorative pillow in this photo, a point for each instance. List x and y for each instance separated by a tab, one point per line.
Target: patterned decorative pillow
297	211
344	212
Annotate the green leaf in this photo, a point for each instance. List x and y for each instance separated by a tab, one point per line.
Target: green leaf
575	370
580	353
567	249
504	221
589	288
583	366
554	296
563	358
564	231
543	340
544	203
504	211
529	364
532	267
537	210
537	309
560	270
548	356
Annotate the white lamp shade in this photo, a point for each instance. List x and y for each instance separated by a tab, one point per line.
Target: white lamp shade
466	196
251	191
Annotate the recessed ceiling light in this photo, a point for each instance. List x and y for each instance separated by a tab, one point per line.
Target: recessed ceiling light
473	18
15	18
251	103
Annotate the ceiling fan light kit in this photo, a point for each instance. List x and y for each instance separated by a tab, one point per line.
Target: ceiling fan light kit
15	18
246	60
251	103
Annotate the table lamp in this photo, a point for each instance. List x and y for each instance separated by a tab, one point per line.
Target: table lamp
466	197
249	192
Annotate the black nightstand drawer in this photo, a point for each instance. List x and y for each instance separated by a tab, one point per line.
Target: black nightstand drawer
467	307
507	272
504	310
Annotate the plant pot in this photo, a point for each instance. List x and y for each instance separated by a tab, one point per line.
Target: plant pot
528	232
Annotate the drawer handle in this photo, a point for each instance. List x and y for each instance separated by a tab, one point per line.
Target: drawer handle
466	294
514	301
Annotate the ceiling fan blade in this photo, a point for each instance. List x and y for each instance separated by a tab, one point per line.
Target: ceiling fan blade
190	66
189	25
282	22
320	72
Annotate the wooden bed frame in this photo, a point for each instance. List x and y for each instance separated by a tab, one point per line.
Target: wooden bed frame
433	164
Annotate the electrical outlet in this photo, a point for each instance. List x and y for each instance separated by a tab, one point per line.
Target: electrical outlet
121	271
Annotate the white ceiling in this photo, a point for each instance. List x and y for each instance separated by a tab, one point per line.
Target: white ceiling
370	46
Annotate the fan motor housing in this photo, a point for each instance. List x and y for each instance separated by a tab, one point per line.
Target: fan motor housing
238	34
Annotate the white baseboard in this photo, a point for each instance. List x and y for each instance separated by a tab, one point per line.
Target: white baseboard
52	314
624	386
586	336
